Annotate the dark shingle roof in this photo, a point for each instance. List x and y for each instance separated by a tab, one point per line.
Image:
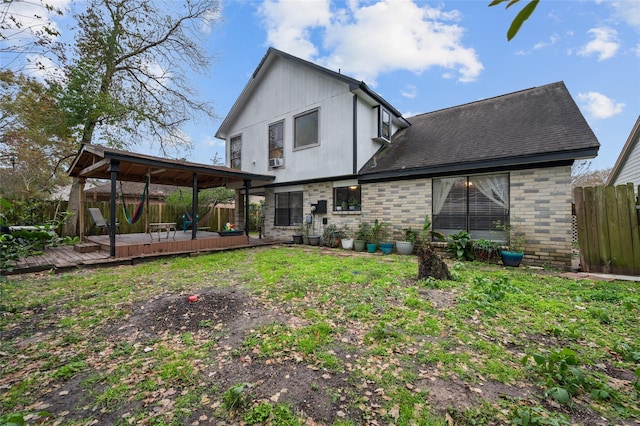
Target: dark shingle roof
538	125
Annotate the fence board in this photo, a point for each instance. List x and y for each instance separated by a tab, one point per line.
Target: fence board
608	224
611	222
581	226
634	226
625	265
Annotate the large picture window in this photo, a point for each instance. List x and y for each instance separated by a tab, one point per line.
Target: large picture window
288	208
276	144
306	129
346	198
236	152
476	204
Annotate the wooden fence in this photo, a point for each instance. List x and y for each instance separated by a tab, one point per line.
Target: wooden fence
608	231
157	213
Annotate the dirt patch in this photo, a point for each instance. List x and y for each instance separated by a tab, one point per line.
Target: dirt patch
224	317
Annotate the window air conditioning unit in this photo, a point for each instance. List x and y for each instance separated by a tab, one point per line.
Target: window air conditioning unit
276	162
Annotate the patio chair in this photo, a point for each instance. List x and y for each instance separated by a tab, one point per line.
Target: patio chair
99	221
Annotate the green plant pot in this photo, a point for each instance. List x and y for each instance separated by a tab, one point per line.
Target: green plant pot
511	258
372	247
359	245
386	248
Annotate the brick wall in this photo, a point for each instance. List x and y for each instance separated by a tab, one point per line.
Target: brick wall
540	207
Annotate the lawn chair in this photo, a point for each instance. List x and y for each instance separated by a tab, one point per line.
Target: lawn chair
99	221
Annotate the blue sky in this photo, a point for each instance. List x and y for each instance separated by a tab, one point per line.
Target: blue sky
423	56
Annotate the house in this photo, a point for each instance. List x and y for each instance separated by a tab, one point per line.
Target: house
342	155
627	167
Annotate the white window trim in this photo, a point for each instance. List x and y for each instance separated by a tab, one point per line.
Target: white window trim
309	111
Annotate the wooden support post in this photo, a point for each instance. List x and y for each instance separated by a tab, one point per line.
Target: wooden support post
194	208
114	168
247	185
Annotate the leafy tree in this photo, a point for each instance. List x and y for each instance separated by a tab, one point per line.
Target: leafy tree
36	142
207	198
26	30
520	18
128	79
582	175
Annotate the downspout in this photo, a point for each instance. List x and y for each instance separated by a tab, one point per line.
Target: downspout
355	134
114	168
247	185
194	207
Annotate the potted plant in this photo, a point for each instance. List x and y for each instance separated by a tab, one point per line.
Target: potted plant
305	233
361	236
344	205
297	236
377	232
347	238
513	253
353	204
406	246
484	250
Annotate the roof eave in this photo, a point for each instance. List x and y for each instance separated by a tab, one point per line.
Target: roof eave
480	166
634	136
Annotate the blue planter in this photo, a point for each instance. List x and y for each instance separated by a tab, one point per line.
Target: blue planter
371	248
511	258
386	248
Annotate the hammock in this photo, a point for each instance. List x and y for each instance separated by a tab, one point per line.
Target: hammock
138	213
201	221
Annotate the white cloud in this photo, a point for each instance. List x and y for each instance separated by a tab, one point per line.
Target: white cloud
627	11
43	68
600	106
288	24
552	40
366	39
410	91
605	43
23	19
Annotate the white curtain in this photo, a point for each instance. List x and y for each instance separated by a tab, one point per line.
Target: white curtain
441	189
494	187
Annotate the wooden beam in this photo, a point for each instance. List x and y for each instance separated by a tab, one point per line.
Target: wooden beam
94	167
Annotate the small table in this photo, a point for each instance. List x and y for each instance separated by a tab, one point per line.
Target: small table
162	226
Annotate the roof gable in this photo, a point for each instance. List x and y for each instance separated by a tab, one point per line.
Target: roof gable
625	154
537	125
357	87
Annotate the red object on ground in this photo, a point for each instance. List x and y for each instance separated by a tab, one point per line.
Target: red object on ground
193	298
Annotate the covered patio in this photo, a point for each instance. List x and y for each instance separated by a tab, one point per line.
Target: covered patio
99	162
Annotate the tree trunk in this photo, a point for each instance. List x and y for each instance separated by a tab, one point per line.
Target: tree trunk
431	265
70	228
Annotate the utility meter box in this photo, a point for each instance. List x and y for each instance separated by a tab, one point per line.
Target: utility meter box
320	207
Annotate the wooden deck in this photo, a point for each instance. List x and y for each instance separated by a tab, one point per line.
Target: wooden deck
131	249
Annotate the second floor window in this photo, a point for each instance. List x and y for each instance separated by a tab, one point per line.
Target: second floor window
276	144
384	127
236	152
306	129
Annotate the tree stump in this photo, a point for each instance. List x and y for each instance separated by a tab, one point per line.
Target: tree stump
431	265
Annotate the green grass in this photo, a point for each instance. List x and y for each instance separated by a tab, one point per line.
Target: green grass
361	320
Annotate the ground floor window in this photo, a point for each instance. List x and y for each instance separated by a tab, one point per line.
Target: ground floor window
288	208
346	198
476	204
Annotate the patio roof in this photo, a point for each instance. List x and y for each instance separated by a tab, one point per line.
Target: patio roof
94	161
97	161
